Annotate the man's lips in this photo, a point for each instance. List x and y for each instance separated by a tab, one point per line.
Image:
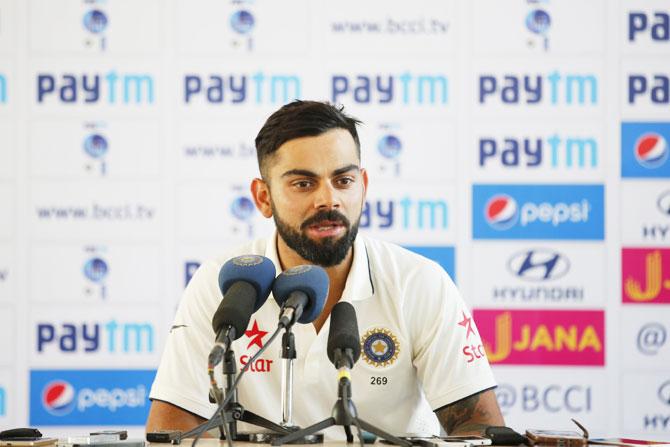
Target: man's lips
326	228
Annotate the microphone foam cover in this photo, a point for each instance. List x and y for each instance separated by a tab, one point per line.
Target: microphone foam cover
343	331
236	308
312	280
257	270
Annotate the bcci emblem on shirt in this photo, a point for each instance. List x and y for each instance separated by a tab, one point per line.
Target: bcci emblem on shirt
380	347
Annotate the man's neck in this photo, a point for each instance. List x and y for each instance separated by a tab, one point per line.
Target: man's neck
337	276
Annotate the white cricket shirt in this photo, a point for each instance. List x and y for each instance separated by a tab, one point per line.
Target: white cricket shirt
420	347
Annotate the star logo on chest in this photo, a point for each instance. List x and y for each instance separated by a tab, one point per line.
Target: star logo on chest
256	335
467	324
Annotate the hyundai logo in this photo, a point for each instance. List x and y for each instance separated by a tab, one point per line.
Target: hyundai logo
538	265
664	392
663	203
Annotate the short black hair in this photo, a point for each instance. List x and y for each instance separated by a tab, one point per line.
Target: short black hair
302	119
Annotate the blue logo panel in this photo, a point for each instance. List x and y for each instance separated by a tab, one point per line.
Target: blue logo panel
645	150
89	397
445	256
557	212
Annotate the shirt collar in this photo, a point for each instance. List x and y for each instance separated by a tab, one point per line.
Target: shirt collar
359	284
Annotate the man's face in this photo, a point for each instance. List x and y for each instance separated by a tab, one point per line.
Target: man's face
315	195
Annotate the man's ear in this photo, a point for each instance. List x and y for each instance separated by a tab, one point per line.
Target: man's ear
260	191
364	174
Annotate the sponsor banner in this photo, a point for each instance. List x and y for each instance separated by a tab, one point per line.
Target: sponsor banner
89	27
527	28
128	210
645	149
95	273
243	27
390	88
113	87
398	150
95	149
8	210
377	27
530	396
219	211
189	257
7	272
445	256
216	150
563	88
650	223
69	335
645	405
538	274
8	21
7	389
645	27
538	212
8	167
645	88
645	275
645	338
238	88
7	335
90	397
410	214
543	337
572	152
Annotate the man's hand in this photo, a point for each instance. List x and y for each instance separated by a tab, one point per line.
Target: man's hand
471	416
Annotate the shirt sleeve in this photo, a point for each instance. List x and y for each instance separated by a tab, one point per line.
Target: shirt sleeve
448	353
182	378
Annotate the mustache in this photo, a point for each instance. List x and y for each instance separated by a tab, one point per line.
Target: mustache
331	215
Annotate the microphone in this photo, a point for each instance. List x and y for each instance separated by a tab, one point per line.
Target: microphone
245	283
344	346
300	292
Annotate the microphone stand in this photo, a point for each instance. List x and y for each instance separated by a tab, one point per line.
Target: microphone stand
344	414
234	411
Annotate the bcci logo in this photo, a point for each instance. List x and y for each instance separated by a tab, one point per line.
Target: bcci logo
95	271
242	209
58	398
298	269
95	22
380	347
538	22
242	22
247	260
389	146
96	147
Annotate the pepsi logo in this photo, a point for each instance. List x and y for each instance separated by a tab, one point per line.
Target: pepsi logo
651	150
58	398
501	212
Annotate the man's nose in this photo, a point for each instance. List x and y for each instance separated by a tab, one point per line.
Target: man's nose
327	197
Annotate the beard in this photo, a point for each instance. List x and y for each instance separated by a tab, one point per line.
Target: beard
329	251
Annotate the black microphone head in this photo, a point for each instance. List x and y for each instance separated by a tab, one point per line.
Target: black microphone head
257	270
312	280
343	331
235	309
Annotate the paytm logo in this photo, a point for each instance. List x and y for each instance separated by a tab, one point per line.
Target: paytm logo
89	397
106	88
538	212
111	337
257	88
406	213
404	88
554	88
656	87
644	149
655	24
3	89
532	152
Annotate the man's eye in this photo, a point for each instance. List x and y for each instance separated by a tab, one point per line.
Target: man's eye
302	184
345	181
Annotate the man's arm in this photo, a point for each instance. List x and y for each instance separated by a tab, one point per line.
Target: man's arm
471	416
165	416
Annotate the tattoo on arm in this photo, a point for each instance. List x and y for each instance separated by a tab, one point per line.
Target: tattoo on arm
458	417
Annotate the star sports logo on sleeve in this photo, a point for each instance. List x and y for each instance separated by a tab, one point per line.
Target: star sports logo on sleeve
473	350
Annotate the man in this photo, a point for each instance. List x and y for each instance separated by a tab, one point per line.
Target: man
417	335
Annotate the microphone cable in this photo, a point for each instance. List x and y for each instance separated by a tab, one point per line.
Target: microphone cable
211	423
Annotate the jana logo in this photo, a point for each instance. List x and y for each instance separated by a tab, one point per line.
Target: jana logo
539	265
651	150
242	22
389	146
95	21
58	398
501	212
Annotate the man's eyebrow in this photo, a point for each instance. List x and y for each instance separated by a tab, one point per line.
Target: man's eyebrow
307	173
